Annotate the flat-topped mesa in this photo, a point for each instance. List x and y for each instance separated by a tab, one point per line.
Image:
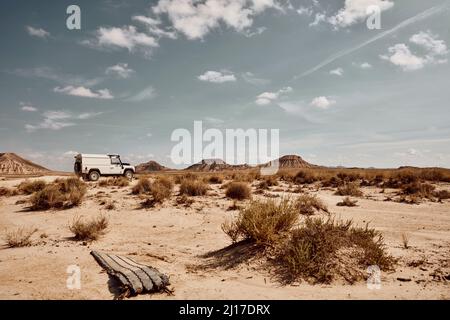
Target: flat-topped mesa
11	163
292	161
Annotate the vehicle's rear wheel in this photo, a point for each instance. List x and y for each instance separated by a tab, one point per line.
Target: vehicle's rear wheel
128	174
94	175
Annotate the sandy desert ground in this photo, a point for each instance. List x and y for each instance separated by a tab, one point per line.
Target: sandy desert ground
175	239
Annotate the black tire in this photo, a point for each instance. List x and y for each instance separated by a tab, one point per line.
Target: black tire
94	175
128	174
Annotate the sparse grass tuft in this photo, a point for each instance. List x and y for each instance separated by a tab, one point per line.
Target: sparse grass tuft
88	229
308	205
321	249
7	192
114	182
62	194
305	177
110	205
267	181
263	222
29	187
215	179
442	194
20	237
161	189
420	190
142	186
349	189
238	191
405	240
193	187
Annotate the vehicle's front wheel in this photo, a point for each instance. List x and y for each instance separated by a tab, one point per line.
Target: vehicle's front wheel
128	174
94	175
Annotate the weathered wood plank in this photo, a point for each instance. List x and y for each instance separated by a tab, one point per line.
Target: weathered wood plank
135	277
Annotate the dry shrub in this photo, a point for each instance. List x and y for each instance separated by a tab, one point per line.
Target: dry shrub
186	176
110	205
238	191
29	187
161	190
305	177
165	181
114	182
63	193
215	179
184	200
20	237
263	222
349	189
268	181
7	192
193	187
245	176
321	249
142	186
442	194
347	202
88	229
308	205
420	190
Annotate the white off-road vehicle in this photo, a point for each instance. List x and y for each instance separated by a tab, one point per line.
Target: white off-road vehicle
92	166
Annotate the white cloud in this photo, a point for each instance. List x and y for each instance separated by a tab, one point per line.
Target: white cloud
418	17
319	17
213	121
27	107
266	98
195	19
57	115
355	11
217	76
88	115
58	119
305	11
250	33
84	92
322	102
430	42
365	65
154	28
53	120
252	79
120	70
146	94
337	72
37	32
54	75
401	56
126	37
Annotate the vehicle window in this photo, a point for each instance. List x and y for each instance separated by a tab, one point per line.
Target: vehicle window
115	160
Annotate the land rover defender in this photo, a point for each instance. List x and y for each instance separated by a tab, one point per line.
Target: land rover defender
92	166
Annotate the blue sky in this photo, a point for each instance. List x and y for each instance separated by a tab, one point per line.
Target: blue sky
340	93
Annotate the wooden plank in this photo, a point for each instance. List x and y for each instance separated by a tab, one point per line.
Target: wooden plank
135	277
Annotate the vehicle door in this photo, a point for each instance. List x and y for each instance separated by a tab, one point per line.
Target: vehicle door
116	165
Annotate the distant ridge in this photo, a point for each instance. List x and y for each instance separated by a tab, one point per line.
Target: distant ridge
207	165
11	163
150	166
